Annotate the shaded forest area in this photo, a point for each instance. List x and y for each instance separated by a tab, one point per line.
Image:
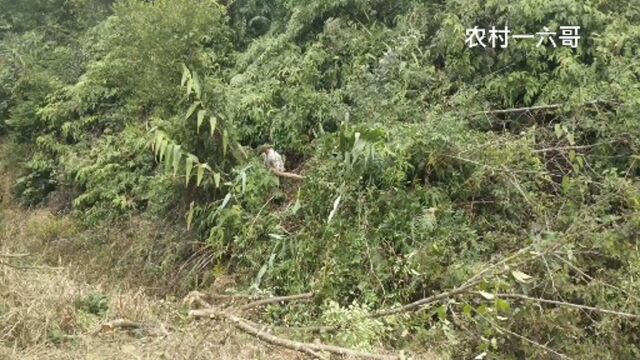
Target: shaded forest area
473	202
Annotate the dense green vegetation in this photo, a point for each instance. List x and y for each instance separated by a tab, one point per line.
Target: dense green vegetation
412	185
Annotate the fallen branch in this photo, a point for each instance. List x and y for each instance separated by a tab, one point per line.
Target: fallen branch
254	329
526	339
470	283
527	109
277	299
566	304
308	348
426	301
247	327
287	175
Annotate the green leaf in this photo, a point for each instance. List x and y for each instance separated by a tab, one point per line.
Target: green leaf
167	158
442	313
216	179
296	206
192	109
189	166
177	157
502	305
521	277
212	124
190	216
225	201
185	75
467	310
158	143
244	181
201	115
566	183
225	142
199	174
196	84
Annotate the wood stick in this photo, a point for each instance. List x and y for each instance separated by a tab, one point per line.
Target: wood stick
247	327
524	338
309	348
525	109
287	175
277	299
572	305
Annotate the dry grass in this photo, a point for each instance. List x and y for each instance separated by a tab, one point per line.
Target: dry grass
39	320
40	315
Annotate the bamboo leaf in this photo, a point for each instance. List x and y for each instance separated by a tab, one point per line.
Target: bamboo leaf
201	115
212	124
225	201
158	143
177	157
189	166
185	75
199	175
196	84
192	109
168	155
190	216
225	142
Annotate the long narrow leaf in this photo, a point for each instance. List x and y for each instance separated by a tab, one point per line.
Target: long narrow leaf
189	166
192	109
201	115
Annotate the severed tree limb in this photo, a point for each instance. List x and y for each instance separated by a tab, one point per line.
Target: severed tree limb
287	175
308	348
526	339
527	109
572	305
254	329
426	301
277	299
471	282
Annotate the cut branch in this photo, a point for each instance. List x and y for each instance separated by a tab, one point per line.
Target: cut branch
277	299
526	339
527	109
572	305
287	175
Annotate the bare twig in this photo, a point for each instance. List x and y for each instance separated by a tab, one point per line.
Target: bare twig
527	109
247	327
567	304
273	300
526	339
287	175
582	273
